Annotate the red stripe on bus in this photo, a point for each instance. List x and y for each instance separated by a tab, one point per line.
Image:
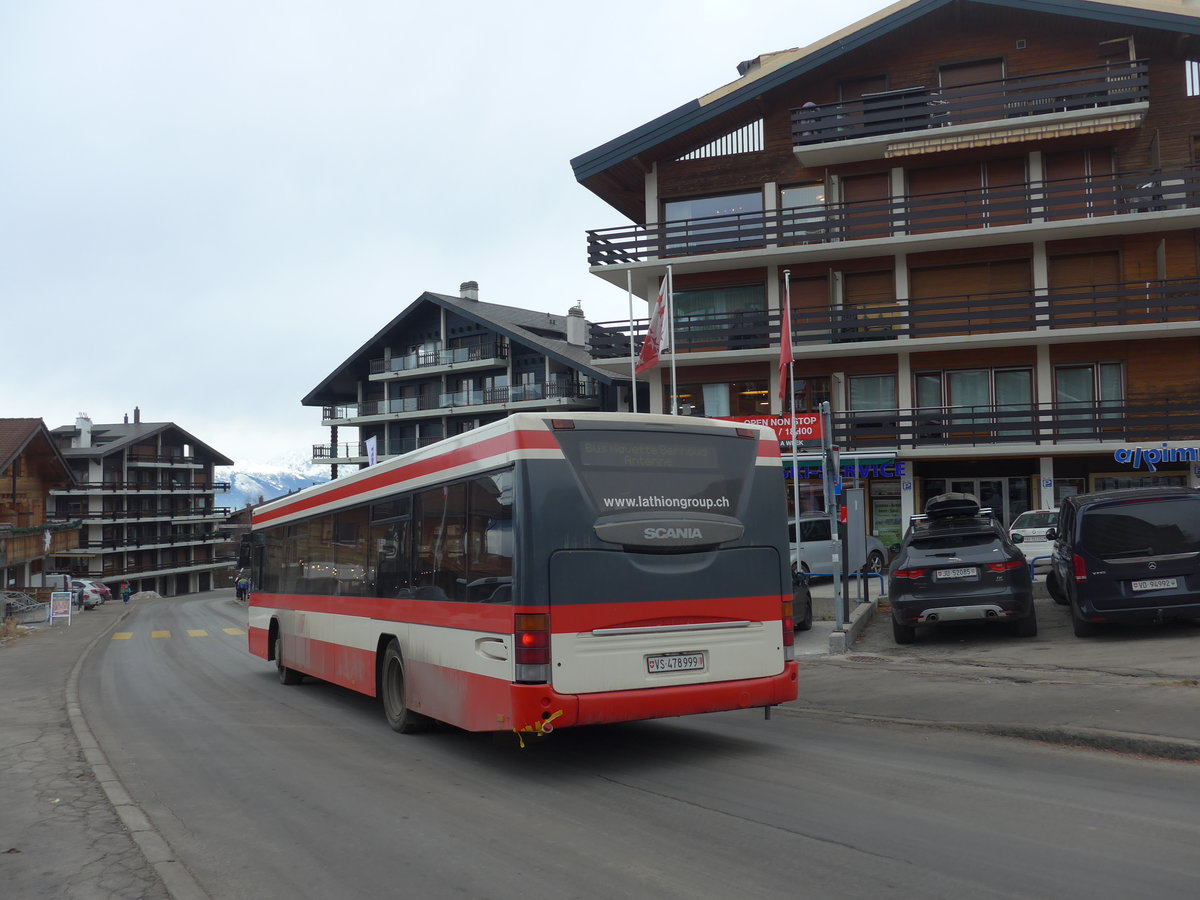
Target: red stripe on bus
501	444
479	703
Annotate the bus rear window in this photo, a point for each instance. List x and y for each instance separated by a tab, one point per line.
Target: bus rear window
659	471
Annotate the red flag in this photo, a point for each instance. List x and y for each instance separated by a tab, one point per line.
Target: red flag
785	345
657	339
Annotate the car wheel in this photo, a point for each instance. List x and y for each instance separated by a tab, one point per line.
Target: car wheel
286	675
1026	626
904	634
1054	589
804	623
874	563
1081	626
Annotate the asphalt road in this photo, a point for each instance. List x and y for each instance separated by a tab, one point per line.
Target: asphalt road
265	791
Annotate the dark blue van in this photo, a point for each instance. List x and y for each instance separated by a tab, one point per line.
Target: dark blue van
1126	556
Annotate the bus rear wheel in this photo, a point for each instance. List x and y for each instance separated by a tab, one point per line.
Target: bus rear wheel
286	675
391	689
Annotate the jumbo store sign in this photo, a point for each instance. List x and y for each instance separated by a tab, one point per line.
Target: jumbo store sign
808	425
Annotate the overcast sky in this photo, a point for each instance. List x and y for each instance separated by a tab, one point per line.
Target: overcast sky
206	207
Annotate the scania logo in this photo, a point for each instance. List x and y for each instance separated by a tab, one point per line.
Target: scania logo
672	534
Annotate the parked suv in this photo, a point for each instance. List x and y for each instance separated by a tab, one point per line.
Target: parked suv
958	563
1126	556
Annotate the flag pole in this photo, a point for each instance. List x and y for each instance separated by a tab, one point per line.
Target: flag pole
671	337
632	355
787	323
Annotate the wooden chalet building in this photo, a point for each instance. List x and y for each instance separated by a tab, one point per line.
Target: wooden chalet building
30	466
985	214
146	494
448	364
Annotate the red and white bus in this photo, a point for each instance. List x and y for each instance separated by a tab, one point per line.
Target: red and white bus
539	572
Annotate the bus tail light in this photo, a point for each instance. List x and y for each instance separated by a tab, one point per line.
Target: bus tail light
532	641
1080	568
789	631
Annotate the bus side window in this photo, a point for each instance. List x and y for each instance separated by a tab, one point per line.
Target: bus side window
489	539
440	573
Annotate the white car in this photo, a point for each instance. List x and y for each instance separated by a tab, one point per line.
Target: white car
1032	526
817	546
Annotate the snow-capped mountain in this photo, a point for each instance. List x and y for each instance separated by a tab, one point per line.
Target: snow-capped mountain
254	482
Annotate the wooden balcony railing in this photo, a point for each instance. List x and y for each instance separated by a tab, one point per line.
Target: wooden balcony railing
921	108
490	348
476	397
1060	200
1094	306
1128	421
358	449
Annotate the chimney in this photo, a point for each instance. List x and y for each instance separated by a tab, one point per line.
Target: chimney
126	418
84	426
137	416
576	327
469	290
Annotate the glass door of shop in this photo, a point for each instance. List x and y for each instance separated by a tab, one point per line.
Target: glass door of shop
1006	497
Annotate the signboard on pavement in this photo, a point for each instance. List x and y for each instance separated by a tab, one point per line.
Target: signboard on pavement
60	606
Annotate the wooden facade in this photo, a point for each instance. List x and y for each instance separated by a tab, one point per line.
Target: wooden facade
997	238
30	467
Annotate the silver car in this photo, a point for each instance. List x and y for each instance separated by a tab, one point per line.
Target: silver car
817	548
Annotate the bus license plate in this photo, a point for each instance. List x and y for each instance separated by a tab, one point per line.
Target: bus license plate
954	574
674	662
1156	584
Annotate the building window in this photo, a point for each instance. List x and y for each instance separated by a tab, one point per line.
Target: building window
803	213
713	222
1191	70
872	392
810	393
1096	391
739	398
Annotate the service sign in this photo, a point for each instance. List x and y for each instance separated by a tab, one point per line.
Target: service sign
808	425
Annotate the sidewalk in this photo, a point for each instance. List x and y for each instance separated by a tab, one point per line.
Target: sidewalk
1132	689
60	834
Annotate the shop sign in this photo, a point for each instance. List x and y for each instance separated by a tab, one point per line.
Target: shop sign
1150	457
860	469
808	425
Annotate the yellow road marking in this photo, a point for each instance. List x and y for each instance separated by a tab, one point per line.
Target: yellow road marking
122	635
197	632
158	634
233	631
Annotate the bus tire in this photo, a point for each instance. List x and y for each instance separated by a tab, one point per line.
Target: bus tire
391	691
286	675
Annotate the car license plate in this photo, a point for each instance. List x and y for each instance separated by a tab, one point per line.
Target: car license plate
954	574
674	662
1156	584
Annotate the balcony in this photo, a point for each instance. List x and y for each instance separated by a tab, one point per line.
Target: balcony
1037	426
141	487
490	351
917	119
447	402
1155	307
356	451
1125	202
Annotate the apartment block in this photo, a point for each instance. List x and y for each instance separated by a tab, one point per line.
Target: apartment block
982	216
146	495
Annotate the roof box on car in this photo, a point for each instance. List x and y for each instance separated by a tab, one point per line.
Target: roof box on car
945	506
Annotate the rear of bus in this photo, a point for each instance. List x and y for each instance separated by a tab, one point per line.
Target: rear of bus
655	571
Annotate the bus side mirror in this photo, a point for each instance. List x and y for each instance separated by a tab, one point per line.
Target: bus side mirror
244	547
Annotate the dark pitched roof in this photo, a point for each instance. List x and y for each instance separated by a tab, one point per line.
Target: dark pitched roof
724	101
17	435
535	329
108	439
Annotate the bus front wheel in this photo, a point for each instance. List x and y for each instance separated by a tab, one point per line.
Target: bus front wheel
391	688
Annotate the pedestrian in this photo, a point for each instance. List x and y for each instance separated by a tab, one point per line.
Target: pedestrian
126	590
